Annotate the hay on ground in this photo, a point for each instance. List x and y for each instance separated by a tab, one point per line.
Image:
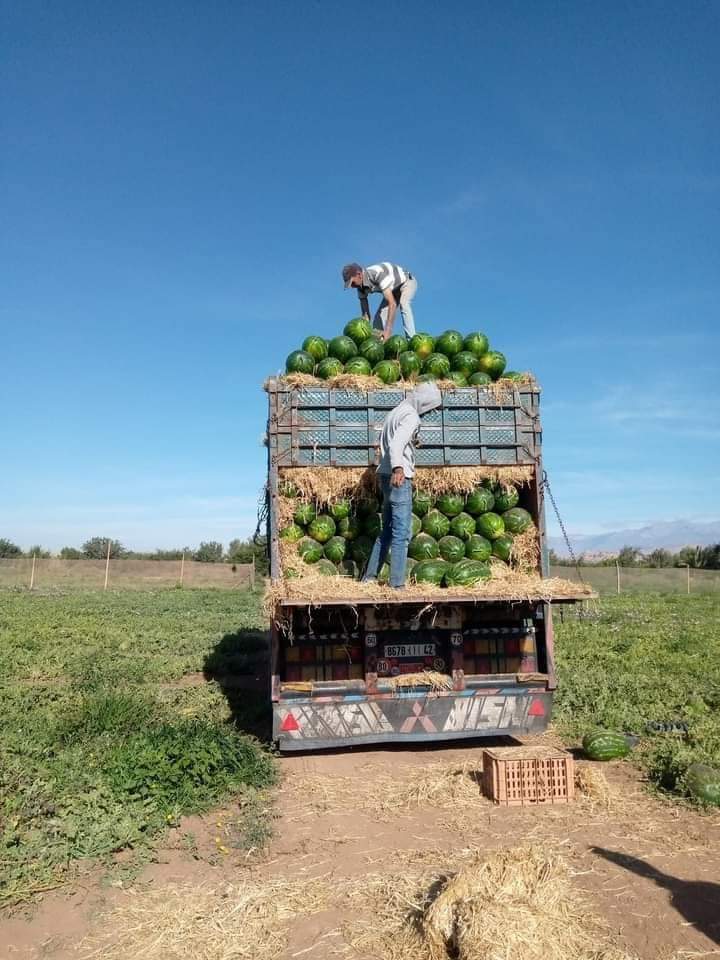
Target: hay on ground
592	784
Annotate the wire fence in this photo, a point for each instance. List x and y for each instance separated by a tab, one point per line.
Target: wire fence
42	573
617	579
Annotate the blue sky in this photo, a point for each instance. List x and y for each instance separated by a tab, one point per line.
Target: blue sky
181	183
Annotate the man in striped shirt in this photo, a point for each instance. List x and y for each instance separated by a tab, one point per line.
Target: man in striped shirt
397	286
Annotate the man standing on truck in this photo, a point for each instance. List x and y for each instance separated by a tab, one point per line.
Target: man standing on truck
397	285
396	470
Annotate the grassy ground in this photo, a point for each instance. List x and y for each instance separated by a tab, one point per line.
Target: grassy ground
102	746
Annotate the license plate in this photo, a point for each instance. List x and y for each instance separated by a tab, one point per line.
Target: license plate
396	650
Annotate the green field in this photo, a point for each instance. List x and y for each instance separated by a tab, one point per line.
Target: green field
118	715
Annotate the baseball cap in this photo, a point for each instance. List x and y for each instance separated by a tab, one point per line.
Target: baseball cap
349	270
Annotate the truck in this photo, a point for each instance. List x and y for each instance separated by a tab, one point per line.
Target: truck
338	661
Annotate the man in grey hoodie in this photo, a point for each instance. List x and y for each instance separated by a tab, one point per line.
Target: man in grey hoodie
396	470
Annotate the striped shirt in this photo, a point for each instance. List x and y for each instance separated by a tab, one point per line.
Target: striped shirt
381	277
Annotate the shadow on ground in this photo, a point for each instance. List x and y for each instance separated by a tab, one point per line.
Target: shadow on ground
239	665
697	900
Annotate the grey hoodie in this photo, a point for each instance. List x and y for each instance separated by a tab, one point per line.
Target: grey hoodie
401	426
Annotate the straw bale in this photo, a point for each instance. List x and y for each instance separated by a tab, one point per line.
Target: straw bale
427	678
437	480
325	484
525	551
594	787
501	390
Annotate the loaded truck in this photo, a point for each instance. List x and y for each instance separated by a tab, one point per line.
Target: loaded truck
339	658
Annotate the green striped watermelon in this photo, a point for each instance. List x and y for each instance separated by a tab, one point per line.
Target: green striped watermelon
422	502
506	497
395	345
310	550
451	504
462	526
476	343
466	363
481	500
292	533
490	525
342	348
451	548
465	573
359	330
437	365
435	524
493	363
449	343
371	525
387	370
478	548
502	546
423	547
703	783
335	549
422	344
459	379
330	367
605	745
410	364
416	525
516	520
349	528
360	550
372	350
339	510
358	367
317	347
326	568
367	506
322	528
304	514
287	488
429	571
299	362
480	379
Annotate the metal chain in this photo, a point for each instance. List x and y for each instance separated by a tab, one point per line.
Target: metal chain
263	512
545	485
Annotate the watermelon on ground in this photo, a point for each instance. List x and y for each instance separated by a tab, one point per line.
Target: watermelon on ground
317	347
493	363
299	362
322	528
451	504
480	379
304	514
395	345
462	526
335	549
292	533
478	548
437	365
449	343
605	745
415	525
310	550
371	525
342	348
451	548
435	524
422	502
429	571
372	350
349	528
327	568
490	525
388	371
459	379
506	497
703	783
481	500
339	509
422	344
367	506
359	367
361	549
516	520
465	573
476	343
330	367
359	330
410	364
502	546
466	363
423	547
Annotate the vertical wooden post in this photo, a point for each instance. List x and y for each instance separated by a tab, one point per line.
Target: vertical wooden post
252	574
182	569
107	564
32	572
687	565
617	573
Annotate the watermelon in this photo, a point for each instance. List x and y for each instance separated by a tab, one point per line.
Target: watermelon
387	370
359	330
326	568
516	520
310	550
317	347
703	783
422	344
605	745
340	509
348	568
291	573
492	363
358	366
479	379
451	504
490	525
335	549
395	345
451	549
342	348
367	506
331	367
435	524
372	350
299	362
292	532
287	489
423	547
462	526
514	375
476	343
506	497
410	364
481	500
437	365
465	362
371	525
465	573
422	502
361	549
349	528
410	565
502	546
322	528
449	343
416	525
304	514
459	379
429	571
478	548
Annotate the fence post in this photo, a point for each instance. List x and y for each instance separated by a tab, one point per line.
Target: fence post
252	574
687	565
617	576
182	569
32	572
107	565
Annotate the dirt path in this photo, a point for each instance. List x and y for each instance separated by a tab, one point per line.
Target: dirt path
650	870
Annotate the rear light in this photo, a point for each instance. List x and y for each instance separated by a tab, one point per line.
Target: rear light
537	708
289	723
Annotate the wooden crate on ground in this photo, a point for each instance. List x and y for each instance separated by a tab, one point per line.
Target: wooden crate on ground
519	776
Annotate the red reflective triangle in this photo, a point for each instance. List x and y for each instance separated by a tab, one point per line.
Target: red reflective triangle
537	708
289	723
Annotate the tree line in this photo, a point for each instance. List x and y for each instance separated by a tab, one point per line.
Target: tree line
699	558
96	548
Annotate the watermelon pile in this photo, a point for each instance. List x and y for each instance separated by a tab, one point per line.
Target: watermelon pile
466	360
454	536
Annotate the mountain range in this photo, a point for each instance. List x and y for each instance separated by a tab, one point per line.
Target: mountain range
670	534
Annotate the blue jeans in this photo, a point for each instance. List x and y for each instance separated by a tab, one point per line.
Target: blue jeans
396	529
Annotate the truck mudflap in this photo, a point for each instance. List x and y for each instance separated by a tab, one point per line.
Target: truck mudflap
321	722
